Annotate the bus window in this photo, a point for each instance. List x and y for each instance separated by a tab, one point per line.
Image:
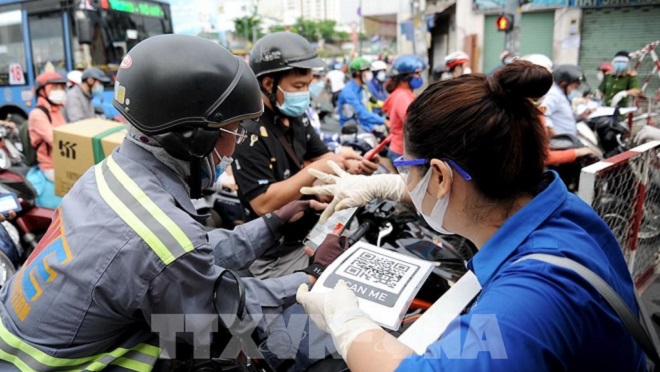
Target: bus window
155	26
12	49
47	36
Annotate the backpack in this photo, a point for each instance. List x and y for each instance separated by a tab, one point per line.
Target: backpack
29	151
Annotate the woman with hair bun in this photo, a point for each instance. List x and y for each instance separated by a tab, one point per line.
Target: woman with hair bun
474	149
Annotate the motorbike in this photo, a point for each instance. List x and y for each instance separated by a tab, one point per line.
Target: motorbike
399	228
32	222
389	225
570	172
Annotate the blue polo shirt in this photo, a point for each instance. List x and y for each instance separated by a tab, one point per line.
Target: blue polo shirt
534	316
353	95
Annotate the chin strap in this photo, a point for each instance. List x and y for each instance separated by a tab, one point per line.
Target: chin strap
272	97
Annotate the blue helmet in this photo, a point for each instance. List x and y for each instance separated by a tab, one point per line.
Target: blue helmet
407	64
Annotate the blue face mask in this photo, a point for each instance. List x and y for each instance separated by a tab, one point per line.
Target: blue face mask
417	82
97	91
295	103
620	67
573	95
316	88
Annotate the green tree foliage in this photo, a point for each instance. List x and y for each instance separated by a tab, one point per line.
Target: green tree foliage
307	29
244	26
277	28
313	31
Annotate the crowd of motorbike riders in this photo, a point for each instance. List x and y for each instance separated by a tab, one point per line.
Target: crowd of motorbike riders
127	245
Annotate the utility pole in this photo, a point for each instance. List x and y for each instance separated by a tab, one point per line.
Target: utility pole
361	14
512	37
254	20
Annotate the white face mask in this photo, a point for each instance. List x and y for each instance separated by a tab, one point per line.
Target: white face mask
57	97
367	76
437	216
381	76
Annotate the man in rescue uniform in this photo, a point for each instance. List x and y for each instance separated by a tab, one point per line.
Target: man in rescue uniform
126	247
619	83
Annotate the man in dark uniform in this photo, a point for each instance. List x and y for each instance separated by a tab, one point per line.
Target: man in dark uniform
268	165
619	83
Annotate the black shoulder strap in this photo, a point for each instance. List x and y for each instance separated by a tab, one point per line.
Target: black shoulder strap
45	111
42	142
647	340
287	147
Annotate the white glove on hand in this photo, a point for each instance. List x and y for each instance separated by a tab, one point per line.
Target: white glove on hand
336	312
354	190
618	97
648	133
227	181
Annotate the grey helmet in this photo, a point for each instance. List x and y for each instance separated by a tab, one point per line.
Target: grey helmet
569	74
281	51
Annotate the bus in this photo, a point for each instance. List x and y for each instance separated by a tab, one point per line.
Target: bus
41	35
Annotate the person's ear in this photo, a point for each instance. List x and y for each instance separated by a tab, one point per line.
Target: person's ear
441	179
267	83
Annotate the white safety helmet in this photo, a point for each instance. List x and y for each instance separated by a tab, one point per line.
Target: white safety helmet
378	66
456	59
539	60
74	77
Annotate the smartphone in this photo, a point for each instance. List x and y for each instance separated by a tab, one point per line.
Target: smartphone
9	202
336	224
371	153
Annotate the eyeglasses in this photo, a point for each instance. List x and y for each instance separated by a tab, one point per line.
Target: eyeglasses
240	133
403	166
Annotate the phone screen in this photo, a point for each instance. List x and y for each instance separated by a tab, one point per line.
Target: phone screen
8	202
338	220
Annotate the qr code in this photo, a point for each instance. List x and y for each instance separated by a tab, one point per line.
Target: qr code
378	269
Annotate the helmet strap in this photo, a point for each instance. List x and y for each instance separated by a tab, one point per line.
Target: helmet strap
195	180
272	95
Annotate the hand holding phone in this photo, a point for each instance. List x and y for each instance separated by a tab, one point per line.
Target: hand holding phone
371	153
9	202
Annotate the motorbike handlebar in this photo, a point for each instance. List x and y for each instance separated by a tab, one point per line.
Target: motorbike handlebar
360	232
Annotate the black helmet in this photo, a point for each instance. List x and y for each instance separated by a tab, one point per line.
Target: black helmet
569	74
282	51
180	89
180	83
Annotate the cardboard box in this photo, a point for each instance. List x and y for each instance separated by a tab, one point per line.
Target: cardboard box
78	146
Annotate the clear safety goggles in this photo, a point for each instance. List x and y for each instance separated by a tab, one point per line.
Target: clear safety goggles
403	166
240	133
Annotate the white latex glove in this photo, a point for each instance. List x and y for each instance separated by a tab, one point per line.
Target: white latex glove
354	190
648	133
336	312
227	181
618	97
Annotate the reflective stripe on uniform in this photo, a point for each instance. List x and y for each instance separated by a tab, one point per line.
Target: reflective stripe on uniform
26	357
140	213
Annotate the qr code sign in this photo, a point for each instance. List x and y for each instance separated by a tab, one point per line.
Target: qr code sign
378	270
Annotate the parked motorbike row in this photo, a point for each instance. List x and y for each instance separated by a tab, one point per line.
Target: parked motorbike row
19	236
